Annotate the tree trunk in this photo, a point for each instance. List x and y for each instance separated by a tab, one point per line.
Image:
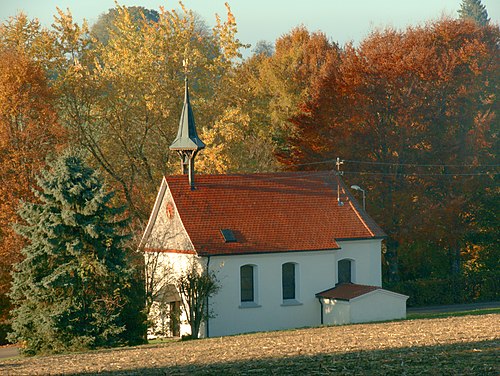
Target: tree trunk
455	260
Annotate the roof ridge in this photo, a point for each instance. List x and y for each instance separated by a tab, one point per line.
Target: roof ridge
259	174
341	186
347	291
364	217
361	218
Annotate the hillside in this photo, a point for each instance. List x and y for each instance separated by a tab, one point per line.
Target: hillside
466	345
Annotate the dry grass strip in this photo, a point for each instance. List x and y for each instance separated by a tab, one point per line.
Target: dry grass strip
467	345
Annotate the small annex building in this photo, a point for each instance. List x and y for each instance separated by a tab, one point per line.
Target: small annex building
290	249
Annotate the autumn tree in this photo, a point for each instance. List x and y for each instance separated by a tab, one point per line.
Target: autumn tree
263	47
241	139
285	78
123	99
74	286
259	98
36	42
101	28
28	133
406	109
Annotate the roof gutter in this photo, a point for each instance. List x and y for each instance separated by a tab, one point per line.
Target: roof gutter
362	238
321	304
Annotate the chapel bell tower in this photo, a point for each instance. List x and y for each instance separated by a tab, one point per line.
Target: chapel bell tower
187	143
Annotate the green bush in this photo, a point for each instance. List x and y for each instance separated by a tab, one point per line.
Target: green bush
473	287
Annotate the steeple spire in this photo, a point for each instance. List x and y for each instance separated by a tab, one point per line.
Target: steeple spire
187	143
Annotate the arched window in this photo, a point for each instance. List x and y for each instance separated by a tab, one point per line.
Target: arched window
288	280
247	283
345	271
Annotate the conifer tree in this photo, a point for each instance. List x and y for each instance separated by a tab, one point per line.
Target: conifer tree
474	10
74	288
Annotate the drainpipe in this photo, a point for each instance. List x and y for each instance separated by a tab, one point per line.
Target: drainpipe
208	311
191	171
321	304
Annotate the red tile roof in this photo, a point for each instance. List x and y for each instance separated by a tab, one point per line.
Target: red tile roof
276	212
346	291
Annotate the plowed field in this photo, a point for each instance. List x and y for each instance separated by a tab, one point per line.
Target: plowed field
467	345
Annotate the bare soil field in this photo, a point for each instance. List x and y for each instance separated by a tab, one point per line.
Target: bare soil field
466	345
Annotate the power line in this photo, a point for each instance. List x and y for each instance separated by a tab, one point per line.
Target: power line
393	174
421	165
421	174
313	163
394	164
332	173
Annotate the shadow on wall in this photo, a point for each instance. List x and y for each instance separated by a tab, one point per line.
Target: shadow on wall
473	358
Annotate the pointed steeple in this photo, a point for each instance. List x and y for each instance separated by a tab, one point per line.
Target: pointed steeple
187	137
187	143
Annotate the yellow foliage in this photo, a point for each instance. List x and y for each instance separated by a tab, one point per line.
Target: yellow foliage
235	146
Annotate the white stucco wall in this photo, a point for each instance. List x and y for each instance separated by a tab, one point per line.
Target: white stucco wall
317	271
167	232
367	256
378	305
169	266
168	253
336	312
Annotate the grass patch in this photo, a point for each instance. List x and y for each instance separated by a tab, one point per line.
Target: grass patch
17	357
438	315
160	341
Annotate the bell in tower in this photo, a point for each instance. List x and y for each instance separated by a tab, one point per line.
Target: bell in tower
187	143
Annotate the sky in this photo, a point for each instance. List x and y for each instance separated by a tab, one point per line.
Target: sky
341	20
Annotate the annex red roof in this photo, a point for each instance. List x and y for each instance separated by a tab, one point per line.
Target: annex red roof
346	291
275	212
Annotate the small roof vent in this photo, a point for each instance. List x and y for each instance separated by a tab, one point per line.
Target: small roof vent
228	235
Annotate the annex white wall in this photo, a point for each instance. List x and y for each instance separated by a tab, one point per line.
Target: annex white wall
317	272
336	312
378	305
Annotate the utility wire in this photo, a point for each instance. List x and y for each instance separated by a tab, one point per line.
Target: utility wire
420	165
421	174
393	164
393	174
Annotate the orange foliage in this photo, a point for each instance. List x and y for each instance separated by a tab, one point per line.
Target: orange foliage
28	133
425	95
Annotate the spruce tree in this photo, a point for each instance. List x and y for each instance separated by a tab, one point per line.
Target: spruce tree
75	288
474	10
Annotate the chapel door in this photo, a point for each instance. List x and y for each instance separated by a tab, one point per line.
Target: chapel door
175	318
